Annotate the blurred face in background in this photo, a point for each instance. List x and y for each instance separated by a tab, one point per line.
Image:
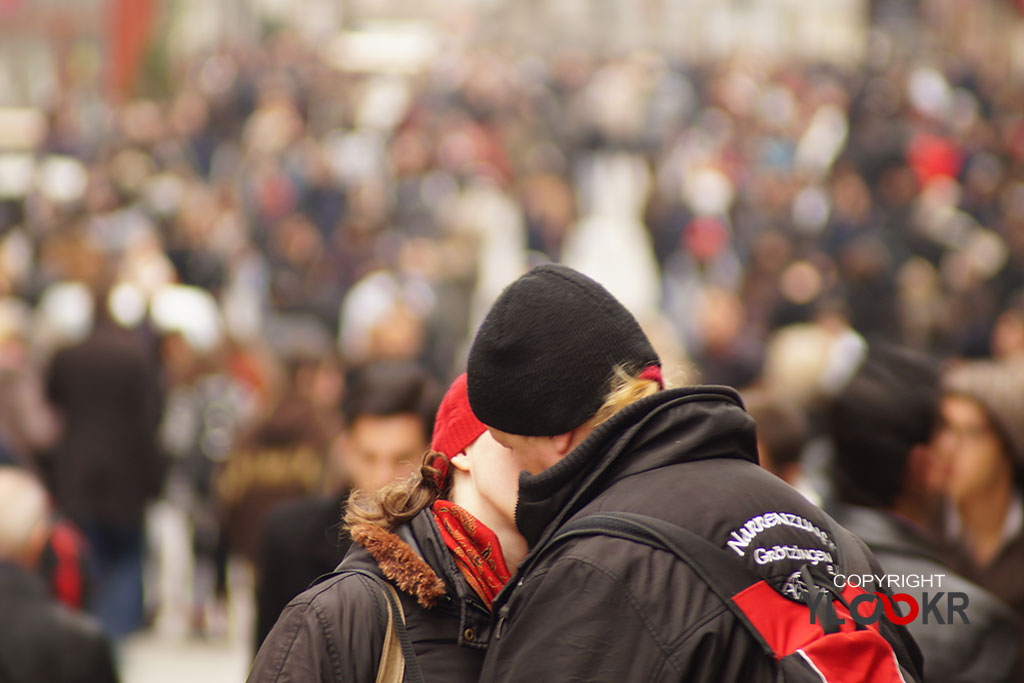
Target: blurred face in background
970	456
399	335
378	449
1008	335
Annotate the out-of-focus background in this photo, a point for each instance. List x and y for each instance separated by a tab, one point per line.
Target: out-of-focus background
210	212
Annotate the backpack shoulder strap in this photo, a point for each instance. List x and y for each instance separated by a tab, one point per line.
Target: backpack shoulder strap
721	572
723	575
394	628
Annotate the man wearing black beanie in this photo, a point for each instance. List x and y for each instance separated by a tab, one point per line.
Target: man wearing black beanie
563	375
545	356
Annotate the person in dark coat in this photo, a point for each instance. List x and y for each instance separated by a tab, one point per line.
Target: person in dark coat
562	374
881	427
40	639
278	461
106	465
389	411
443	538
300	540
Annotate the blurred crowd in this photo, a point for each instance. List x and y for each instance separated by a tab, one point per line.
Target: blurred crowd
188	281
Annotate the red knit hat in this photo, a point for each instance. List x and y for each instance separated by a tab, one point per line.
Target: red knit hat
455	427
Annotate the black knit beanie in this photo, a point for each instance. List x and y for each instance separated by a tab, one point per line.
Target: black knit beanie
545	355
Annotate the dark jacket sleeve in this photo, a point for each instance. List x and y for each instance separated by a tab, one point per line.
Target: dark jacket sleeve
83	652
332	632
101	668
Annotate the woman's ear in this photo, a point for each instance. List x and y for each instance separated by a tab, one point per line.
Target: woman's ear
461	462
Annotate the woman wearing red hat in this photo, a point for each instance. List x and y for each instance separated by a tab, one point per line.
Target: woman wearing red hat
445	539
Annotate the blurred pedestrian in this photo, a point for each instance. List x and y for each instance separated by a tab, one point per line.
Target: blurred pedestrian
389	411
40	640
881	426
782	434
981	443
280	459
106	465
28	425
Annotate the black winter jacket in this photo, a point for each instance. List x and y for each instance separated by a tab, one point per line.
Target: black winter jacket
602	609
334	631
41	640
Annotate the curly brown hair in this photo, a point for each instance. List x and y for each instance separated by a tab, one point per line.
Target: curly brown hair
400	501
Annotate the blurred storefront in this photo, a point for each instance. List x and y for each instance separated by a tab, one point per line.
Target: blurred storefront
111	45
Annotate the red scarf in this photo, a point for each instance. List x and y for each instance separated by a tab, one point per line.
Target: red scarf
476	549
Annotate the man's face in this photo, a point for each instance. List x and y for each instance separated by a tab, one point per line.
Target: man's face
533	453
380	449
969	450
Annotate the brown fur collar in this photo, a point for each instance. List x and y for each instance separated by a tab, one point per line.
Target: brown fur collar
400	563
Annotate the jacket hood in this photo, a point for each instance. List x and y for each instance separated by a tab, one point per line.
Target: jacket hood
400	563
673	426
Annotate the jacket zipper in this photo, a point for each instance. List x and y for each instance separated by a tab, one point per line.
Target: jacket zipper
503	613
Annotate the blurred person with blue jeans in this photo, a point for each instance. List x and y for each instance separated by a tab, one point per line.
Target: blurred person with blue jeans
105	466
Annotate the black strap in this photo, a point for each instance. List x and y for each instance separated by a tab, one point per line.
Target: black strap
724	575
413	674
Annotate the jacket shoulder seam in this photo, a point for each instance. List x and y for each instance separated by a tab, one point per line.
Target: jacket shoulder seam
332	647
291	644
314	603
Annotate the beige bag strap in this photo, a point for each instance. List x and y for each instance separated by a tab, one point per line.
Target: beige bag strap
398	662
392	661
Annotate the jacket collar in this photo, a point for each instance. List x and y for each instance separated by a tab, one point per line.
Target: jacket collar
425	570
670	427
400	563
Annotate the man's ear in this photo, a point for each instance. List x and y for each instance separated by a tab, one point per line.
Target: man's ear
562	443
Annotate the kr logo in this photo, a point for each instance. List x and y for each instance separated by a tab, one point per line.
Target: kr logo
868	608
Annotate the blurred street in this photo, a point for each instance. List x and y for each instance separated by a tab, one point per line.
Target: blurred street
152	658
